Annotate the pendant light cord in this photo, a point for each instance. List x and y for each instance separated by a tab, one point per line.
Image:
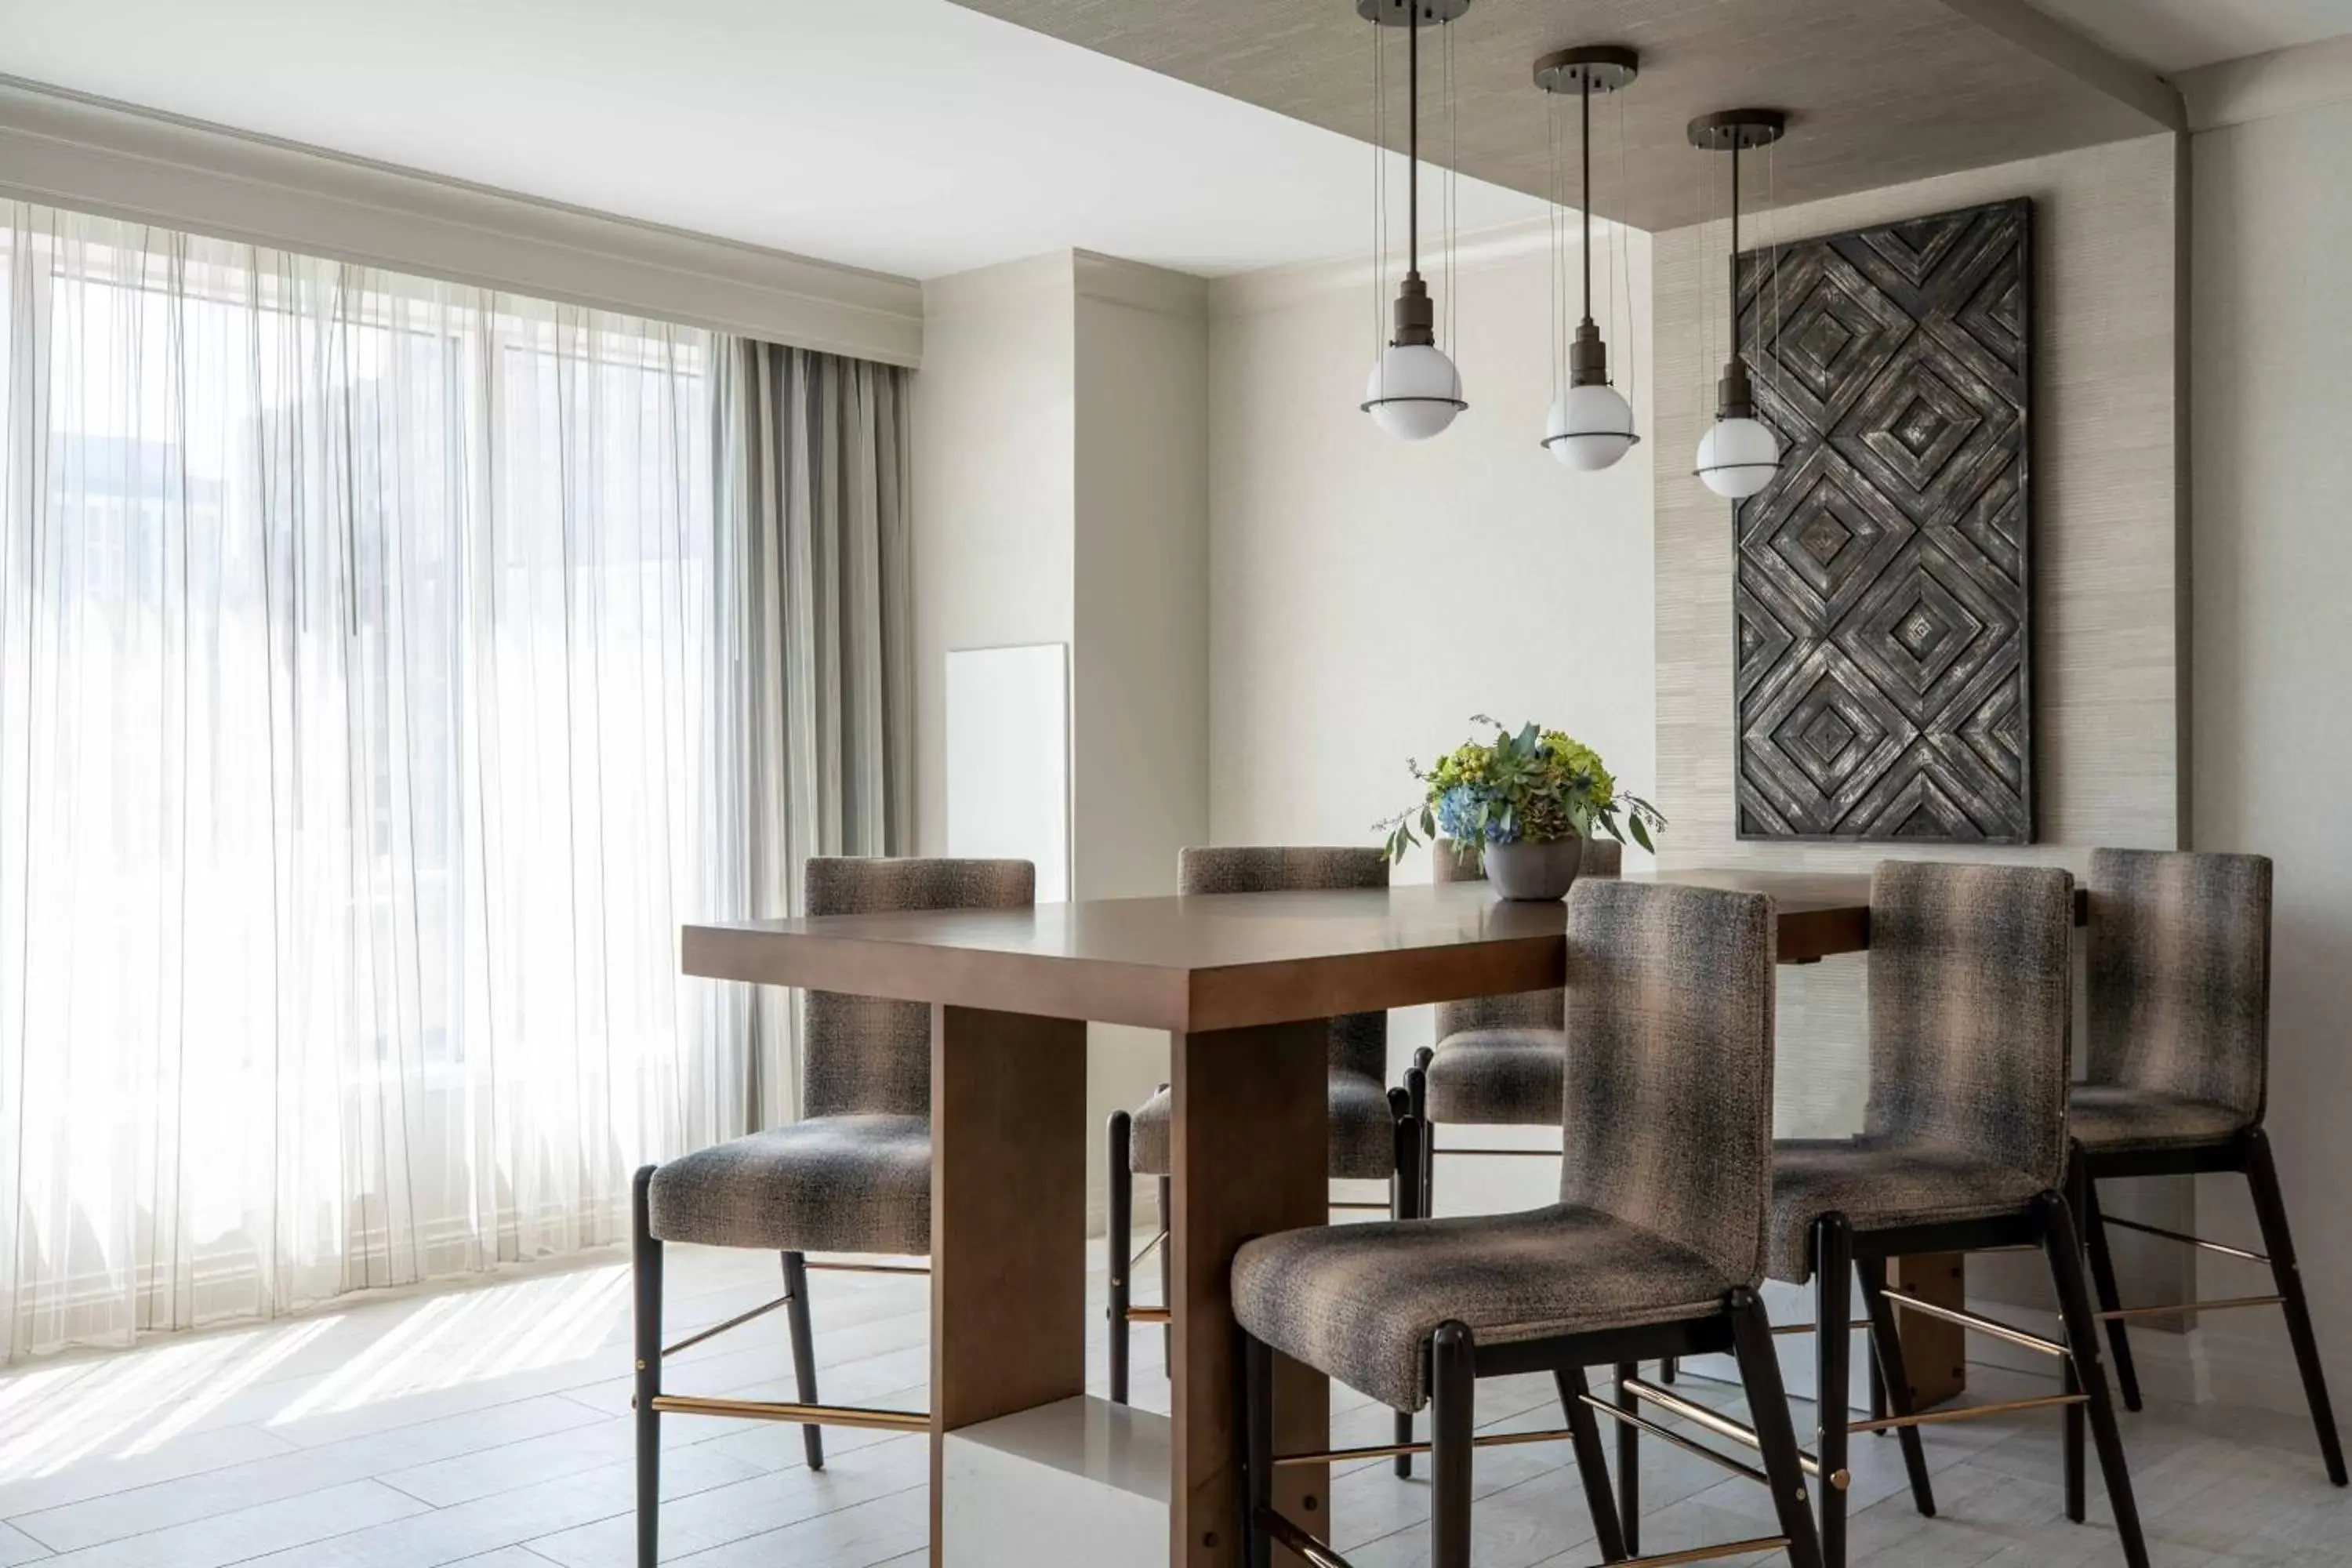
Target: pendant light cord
1584	151
1412	139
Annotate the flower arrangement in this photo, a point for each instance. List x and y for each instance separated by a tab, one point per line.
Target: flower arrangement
1533	785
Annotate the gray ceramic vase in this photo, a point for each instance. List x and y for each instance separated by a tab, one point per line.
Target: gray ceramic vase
1534	871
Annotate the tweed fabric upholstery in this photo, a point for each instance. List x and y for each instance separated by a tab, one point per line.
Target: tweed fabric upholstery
1363	1132
1500	1058
1969	1006
861	1056
1667	1092
855	1174
1363	1129
2179	981
2111	1119
1881	1184
835	1183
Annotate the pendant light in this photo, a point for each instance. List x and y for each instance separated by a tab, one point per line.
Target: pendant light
1738	455
1414	392
1591	425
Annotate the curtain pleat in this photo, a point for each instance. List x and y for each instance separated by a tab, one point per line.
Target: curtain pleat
388	668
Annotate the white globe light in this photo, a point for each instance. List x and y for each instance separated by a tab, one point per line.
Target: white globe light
1590	427
1737	458
1414	392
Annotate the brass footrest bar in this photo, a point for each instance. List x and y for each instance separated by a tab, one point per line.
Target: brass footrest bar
1981	1325
1137	1261
1149	1315
1506	1153
737	1322
1941	1417
1360	1208
1391	1451
1706	1553
1278	1525
804	1414
1689	1446
1719	1423
813	1265
2183	1309
2182	1236
1857	1326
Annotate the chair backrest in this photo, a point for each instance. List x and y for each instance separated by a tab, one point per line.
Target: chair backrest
1359	1041
1667	1101
1970	1000
2179	974
864	1056
1526	1009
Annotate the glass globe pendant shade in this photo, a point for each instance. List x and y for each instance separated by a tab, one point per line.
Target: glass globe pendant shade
1414	391
1590	427
1738	456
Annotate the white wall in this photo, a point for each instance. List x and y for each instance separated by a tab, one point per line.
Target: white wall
1368	595
2272	573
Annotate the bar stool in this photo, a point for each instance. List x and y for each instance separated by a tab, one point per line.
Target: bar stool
1499	1059
853	1175
1364	1119
1963	1149
1654	1248
2179	1000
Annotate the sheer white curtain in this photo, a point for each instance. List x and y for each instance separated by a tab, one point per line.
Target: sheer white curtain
369	722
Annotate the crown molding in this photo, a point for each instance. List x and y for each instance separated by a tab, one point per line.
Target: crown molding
2063	48
2260	87
1141	285
92	154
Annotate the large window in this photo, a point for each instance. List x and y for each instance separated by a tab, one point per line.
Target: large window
370	720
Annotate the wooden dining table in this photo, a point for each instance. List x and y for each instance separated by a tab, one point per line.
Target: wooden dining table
1242	984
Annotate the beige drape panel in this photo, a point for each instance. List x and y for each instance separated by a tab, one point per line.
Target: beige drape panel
815	460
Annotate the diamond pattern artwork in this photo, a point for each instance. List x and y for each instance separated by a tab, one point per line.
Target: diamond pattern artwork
1883	627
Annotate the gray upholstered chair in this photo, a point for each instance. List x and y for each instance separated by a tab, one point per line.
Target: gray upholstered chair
853	1175
1364	1120
1963	1148
2180	980
1656	1246
1499	1059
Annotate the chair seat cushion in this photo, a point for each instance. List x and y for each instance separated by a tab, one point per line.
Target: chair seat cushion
1363	1130
1498	1078
1359	1302
1881	1184
2112	1119
830	1183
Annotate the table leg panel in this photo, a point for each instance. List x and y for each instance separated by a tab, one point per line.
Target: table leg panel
1250	1139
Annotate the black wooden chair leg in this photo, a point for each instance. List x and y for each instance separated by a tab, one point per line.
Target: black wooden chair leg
1768	1406
2086	1371
803	1352
1592	1463
1891	1380
1832	1325
1168	1273
1669	1367
1453	1388
1257	1450
1629	1463
1118	1235
2270	1208
1404	1203
645	1271
2103	1282
1416	1091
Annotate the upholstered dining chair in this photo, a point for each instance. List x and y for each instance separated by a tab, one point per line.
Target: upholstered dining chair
1656	1246
2178	1006
853	1175
1364	1120
1963	1148
1499	1059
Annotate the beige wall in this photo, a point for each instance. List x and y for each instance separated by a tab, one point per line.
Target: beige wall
1368	595
2273	572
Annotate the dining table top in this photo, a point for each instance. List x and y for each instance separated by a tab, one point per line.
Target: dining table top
1202	962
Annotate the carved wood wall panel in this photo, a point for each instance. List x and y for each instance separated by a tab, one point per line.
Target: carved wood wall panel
1884	582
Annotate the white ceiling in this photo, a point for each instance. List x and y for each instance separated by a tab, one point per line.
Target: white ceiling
2175	35
910	136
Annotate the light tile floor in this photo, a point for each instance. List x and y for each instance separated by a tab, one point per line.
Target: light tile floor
489	1426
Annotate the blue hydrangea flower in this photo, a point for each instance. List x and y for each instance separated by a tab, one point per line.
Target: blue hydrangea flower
1457	809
